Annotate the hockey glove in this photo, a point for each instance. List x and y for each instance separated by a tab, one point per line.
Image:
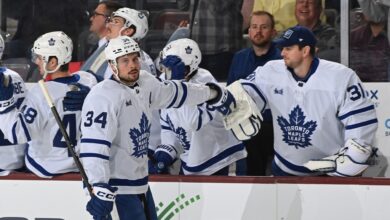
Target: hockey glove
7	100
176	65
74	99
164	156
101	204
224	102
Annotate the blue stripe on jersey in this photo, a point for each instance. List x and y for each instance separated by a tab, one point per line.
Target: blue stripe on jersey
210	115
258	92
37	166
200	119
95	141
174	99
127	182
184	97
19	102
14	133
166	128
101	156
291	166
224	154
354	112
25	130
361	124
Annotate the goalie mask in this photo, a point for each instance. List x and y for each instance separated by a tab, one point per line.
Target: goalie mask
118	47
53	44
187	50
133	17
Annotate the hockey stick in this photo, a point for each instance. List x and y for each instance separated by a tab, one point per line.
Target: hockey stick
69	144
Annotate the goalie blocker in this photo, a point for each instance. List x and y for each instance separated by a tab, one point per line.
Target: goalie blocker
351	160
241	114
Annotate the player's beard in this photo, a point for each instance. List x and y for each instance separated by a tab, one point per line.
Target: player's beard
131	77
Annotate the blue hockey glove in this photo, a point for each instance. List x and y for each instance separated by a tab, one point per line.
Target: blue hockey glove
101	204
224	102
164	156
7	100
74	99
176	65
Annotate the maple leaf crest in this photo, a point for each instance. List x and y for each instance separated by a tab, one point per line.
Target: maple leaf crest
297	132
181	134
140	137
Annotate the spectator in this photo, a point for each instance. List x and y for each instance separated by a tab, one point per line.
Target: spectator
261	32
307	14
197	131
370	50
377	10
217	28
95	37
11	155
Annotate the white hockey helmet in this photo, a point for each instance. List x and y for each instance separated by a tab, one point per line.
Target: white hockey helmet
188	51
136	18
54	44
2	46
120	46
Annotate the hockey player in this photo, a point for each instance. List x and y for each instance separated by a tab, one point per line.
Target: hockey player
122	22
47	153
197	131
11	156
116	130
323	120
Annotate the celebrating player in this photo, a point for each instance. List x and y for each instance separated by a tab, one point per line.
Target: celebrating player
197	131
11	155
323	120
47	153
116	129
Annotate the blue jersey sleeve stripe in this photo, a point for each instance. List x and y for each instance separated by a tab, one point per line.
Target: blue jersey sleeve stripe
224	154
165	128
292	166
101	156
38	166
258	92
361	124
184	96
210	115
14	136
199	119
354	112
24	128
127	182
176	93
96	141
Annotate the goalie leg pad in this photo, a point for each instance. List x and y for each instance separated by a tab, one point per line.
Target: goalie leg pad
245	119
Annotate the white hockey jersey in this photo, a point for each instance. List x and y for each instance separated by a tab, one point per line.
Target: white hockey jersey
47	154
312	119
206	145
12	156
116	122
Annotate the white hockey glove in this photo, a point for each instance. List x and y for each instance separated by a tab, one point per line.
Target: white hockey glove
164	156
245	120
351	160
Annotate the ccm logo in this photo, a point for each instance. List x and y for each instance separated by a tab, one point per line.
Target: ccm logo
106	195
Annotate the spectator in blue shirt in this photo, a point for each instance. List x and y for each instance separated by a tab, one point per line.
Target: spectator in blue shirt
261	32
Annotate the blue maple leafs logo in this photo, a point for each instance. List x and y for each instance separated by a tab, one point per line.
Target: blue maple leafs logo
297	132
181	134
140	138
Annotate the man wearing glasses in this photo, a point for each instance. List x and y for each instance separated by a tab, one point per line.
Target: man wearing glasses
98	20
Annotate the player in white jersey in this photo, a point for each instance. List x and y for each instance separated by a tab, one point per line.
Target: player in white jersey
47	154
116	131
11	156
208	148
320	110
